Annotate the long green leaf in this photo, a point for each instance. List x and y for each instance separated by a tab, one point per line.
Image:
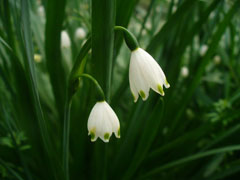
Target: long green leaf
146	140
53	54
192	158
206	59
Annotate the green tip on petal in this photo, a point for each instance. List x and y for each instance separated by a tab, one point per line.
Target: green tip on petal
92	134
118	133
160	89
142	94
134	98
167	84
106	136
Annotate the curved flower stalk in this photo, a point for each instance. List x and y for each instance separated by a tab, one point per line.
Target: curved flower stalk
102	122
144	71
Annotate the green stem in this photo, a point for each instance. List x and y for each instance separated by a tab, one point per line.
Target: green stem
77	68
101	96
66	132
130	39
67	109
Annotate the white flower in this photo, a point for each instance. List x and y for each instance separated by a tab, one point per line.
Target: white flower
174	9
102	122
37	58
148	25
65	40
203	49
80	33
41	11
184	71
217	59
145	73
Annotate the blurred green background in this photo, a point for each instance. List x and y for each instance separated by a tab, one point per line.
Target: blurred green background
190	133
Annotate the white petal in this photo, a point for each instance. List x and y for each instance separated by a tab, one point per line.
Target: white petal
132	85
80	33
92	121
137	75
155	75
114	120
65	40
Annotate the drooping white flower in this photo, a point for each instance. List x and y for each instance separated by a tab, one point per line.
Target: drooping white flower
217	59
184	71
102	122
65	40
37	58
41	11
145	73
203	49
80	33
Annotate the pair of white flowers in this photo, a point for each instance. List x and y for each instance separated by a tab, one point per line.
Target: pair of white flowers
144	73
80	34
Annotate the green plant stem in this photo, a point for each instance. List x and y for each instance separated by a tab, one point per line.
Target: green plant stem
130	39
101	96
73	85
66	132
67	112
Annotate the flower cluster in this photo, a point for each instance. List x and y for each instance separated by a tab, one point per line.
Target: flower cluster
144	73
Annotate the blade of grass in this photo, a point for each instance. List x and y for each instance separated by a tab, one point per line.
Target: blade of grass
54	21
146	140
162	36
11	171
191	158
206	59
30	69
77	70
103	21
145	18
188	136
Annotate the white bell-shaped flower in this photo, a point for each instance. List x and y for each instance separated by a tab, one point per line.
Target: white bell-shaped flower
145	73
102	122
80	33
65	40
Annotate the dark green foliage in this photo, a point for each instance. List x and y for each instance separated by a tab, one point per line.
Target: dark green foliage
190	133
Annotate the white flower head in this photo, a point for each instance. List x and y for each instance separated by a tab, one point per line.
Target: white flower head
65	40
80	33
217	59
102	122
37	58
203	49
41	11
145	73
184	71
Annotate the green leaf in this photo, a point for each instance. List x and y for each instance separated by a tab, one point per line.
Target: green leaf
54	17
102	42
186	97
146	139
191	158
